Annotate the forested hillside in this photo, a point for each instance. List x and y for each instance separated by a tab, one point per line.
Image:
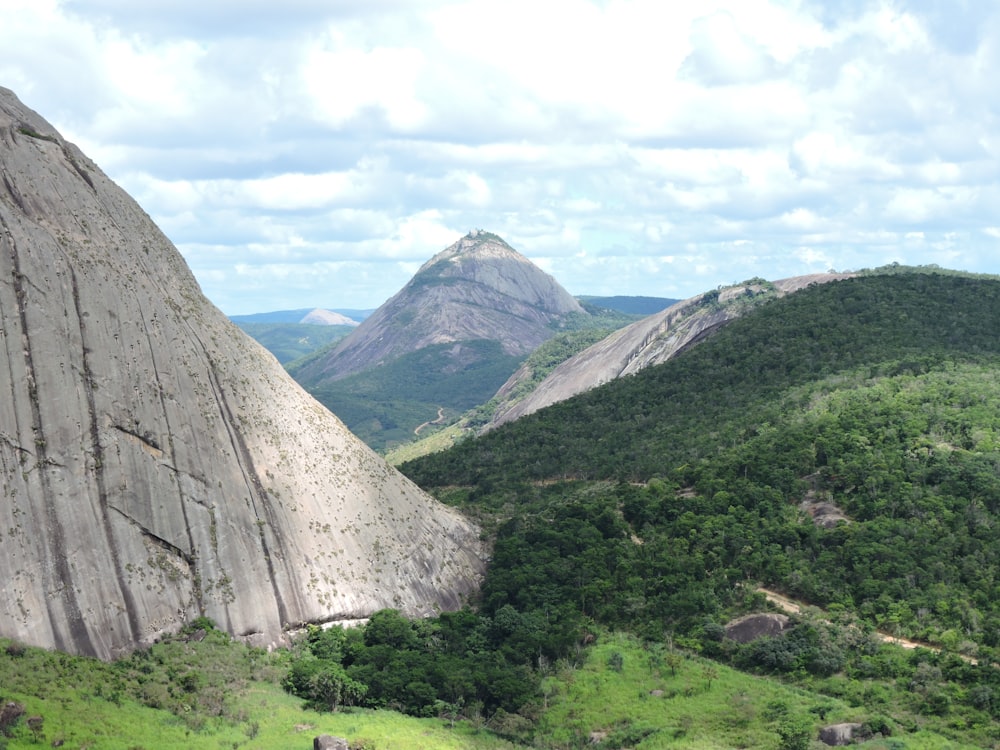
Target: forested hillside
408	398
880	395
658	503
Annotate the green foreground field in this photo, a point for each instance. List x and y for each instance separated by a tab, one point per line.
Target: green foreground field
218	694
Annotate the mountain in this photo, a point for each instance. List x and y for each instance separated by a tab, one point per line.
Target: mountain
479	288
630	305
444	343
289	342
647	342
157	464
293	334
838	446
322	317
875	397
296	316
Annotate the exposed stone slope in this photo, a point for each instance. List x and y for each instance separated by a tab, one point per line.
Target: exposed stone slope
321	317
647	342
156	464
478	288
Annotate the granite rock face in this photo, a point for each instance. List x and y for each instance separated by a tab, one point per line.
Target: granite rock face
650	341
156	464
478	288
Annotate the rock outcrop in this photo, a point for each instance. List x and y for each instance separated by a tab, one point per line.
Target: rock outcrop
761	625
156	464
478	288
647	342
839	735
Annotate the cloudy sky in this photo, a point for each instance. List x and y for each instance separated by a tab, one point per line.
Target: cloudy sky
316	152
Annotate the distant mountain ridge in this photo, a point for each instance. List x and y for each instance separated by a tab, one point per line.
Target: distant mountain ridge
321	317
633	305
297	316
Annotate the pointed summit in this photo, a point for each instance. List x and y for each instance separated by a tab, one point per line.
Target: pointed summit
484	258
479	288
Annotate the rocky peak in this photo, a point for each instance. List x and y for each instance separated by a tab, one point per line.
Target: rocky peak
484	258
321	317
156	463
477	288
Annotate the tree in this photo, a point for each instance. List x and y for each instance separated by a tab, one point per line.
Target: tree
323	684
795	731
330	686
710	673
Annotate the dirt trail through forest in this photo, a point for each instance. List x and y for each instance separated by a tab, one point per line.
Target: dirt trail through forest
793	607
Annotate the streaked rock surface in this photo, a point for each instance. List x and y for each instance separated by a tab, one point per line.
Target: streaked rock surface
156	463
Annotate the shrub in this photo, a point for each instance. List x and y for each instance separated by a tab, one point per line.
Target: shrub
10	714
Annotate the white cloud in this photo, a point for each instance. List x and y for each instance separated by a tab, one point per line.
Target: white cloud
722	55
629	146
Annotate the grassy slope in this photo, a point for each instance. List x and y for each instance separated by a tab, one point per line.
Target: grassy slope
701	705
384	405
235	700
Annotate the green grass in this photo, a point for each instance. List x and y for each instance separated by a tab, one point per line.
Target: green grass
269	719
437	440
619	693
698	705
237	702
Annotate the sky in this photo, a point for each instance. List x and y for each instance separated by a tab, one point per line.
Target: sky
314	153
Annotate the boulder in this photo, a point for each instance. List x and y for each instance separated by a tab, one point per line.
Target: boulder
328	742
837	735
751	627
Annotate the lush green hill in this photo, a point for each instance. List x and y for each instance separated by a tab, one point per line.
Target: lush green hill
658	502
387	405
639	427
202	690
532	371
879	395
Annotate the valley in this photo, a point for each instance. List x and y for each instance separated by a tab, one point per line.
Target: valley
595	496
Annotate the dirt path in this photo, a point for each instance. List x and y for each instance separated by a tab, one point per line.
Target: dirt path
439	420
793	607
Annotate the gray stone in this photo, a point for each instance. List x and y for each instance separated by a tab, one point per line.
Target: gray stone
327	742
478	288
751	627
837	735
156	463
